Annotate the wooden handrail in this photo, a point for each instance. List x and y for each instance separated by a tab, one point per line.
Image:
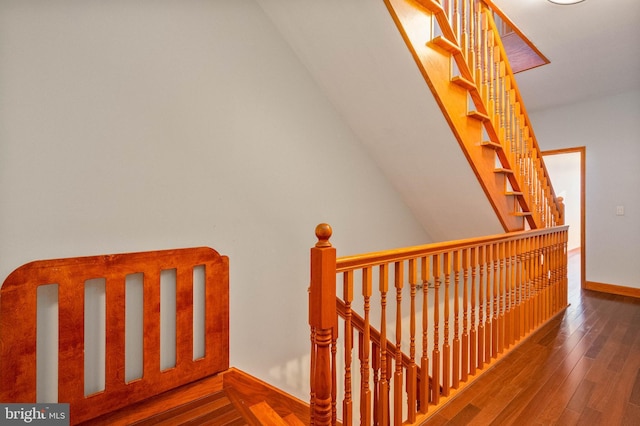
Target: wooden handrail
488	294
346	263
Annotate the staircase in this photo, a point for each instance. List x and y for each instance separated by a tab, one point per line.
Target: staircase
457	48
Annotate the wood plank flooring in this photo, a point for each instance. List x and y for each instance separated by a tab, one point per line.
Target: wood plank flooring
582	368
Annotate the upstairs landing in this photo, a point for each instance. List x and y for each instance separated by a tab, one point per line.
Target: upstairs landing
232	398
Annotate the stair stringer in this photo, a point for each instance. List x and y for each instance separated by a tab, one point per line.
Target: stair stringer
434	61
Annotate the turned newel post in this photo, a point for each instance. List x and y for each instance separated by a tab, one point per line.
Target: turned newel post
561	212
322	320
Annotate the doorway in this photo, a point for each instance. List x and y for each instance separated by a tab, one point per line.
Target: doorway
566	168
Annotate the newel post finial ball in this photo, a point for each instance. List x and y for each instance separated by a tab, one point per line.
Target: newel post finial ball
323	233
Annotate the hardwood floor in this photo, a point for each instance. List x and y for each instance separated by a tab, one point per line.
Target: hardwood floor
582	368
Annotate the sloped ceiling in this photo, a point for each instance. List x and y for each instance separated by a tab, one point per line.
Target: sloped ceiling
355	53
593	46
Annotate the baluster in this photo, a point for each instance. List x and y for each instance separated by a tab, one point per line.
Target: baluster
377	373
527	274
489	324
514	120
561	259
455	382
334	375
519	291
481	316
502	97
532	283
506	305
547	272
383	405
537	284
553	259
491	76
495	323
565	260
425	390
473	263
435	358
347	295
544	281
446	350
541	261
512	292
502	289
473	57
397	404
365	389
506	109
455	19
480	59
465	316
312	378
559	277
412	369
464	44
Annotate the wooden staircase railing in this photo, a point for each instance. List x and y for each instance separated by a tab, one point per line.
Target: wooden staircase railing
457	47
458	307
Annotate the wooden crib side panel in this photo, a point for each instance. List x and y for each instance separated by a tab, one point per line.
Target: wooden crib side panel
18	321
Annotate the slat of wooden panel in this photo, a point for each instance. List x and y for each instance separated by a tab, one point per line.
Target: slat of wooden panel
71	341
18	342
184	317
115	332
217	313
151	339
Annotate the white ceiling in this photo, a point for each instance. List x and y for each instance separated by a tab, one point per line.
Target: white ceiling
593	46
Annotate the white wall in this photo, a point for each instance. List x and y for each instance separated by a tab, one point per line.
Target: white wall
610	130
128	126
564	170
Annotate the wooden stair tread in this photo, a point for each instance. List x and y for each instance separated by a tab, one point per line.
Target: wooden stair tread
522	214
515	193
446	44
266	415
292	420
478	115
491	144
503	170
463	82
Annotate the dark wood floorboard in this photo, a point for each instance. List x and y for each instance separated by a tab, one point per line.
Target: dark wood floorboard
582	368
